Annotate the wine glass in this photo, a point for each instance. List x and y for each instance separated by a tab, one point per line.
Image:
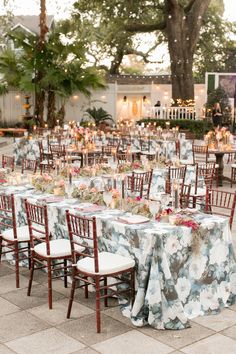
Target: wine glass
154	207
107	197
68	189
165	199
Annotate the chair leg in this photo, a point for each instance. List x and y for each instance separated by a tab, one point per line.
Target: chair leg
16	251
72	293
49	266
98	312
132	284
86	288
0	248
105	292
31	277
65	273
29	256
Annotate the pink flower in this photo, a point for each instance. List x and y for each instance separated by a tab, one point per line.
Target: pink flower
47	177
82	186
60	183
93	190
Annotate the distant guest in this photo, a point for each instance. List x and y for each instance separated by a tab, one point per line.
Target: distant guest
217	115
158	104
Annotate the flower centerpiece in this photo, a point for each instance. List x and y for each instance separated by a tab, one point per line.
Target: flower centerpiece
219	136
49	184
164	214
86	194
137	205
130	166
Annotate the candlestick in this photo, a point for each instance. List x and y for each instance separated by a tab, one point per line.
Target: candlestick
70	176
175	194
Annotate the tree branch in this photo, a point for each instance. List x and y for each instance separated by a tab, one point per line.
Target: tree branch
141	27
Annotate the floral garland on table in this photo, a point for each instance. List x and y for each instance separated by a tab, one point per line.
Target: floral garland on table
164	214
137	205
198	232
47	183
93	195
86	171
130	166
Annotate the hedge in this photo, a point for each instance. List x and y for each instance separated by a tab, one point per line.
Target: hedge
198	127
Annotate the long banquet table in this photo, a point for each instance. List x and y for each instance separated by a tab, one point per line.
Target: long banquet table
25	148
174	283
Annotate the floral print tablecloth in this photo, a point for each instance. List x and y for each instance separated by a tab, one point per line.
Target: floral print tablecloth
24	148
174	283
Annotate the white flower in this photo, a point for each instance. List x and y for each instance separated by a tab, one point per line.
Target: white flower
172	244
209	299
192	309
224	291
233	283
197	266
219	252
183	287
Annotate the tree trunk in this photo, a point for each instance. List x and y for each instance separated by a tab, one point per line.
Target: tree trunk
51	109
182	30
61	114
115	65
39	107
40	94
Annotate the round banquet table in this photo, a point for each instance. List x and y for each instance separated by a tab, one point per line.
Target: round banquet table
219	154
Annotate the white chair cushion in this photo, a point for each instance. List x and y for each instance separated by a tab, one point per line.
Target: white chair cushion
109	263
58	248
233	165
211	159
201	192
22	234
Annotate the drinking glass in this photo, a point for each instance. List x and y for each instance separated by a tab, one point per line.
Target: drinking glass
165	199
154	207
68	189
107	197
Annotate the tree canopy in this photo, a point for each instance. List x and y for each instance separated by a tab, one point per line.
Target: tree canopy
189	27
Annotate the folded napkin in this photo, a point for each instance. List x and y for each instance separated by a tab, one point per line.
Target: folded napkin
52	199
133	219
91	209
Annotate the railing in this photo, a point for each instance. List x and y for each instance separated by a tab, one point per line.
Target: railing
173	113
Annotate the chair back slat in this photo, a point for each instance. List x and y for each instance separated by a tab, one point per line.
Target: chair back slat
177	174
140	183
83	232
29	165
37	218
221	203
8	161
7	213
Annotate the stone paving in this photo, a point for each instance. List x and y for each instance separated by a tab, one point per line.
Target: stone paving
28	327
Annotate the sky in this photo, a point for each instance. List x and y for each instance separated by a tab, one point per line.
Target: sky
60	8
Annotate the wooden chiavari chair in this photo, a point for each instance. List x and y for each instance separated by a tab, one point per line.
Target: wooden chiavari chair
221	203
94	267
8	161
45	251
14	239
175	173
29	165
139	183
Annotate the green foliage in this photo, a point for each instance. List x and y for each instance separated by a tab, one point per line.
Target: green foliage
198	127
98	115
60	67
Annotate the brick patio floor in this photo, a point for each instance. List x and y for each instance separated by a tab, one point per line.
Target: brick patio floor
28	327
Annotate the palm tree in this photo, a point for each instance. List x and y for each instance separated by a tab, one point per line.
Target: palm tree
99	115
59	76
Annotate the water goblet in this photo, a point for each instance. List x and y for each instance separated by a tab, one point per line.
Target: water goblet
154	207
107	197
